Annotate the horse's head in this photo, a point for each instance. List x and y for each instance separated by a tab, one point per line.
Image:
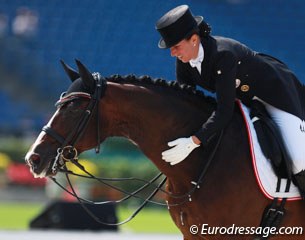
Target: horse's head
75	118
132	108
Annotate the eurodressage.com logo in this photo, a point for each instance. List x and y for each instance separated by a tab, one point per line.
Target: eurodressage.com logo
235	230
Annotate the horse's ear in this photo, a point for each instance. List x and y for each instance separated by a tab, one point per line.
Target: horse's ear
85	75
73	75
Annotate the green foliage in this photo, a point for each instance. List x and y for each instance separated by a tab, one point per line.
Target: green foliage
15	148
124	168
119	158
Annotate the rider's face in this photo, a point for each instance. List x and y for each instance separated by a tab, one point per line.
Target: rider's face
186	49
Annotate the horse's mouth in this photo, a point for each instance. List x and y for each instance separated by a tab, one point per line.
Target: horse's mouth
42	174
37	172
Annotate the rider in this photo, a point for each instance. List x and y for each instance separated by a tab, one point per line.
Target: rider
232	70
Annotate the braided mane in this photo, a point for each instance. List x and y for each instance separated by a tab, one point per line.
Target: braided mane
159	82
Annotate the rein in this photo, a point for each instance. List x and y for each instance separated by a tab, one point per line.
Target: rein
68	153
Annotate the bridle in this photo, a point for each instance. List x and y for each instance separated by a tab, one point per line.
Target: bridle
68	153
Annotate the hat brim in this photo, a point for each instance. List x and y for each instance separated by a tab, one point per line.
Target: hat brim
162	43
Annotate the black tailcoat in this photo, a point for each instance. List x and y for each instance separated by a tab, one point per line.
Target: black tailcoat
232	70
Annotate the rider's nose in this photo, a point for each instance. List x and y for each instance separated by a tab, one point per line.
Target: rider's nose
173	52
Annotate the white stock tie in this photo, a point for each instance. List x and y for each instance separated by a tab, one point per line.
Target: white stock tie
197	61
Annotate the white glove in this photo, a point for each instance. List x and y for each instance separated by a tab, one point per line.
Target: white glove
182	147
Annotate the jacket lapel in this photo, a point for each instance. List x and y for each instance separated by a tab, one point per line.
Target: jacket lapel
204	78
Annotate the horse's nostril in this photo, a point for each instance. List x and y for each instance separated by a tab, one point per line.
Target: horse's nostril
34	159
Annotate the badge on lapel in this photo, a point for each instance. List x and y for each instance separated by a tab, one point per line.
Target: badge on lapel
244	88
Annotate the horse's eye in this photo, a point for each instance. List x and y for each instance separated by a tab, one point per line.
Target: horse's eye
74	106
70	104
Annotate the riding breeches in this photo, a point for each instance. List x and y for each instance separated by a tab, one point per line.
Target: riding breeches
292	129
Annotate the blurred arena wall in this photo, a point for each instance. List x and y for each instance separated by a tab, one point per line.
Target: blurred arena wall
119	37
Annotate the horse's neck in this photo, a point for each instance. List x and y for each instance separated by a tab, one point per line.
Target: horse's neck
146	118
131	114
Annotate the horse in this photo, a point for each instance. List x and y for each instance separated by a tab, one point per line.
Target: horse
150	113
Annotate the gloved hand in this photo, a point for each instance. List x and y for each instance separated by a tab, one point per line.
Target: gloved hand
181	148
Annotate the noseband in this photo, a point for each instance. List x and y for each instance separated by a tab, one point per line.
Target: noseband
67	151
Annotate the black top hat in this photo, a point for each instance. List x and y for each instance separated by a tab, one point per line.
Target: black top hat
175	25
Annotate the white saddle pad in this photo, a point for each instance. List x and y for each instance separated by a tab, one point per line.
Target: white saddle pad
265	176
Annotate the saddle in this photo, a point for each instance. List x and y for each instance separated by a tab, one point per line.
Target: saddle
271	140
272	145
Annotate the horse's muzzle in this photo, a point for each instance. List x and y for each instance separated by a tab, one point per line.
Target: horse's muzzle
33	160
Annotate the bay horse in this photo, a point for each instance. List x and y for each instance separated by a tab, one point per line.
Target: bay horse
151	113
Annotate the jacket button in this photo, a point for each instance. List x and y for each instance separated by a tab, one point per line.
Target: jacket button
244	88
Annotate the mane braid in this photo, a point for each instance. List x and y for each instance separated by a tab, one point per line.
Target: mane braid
158	82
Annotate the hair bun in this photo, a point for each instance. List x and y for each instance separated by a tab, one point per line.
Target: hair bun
204	29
